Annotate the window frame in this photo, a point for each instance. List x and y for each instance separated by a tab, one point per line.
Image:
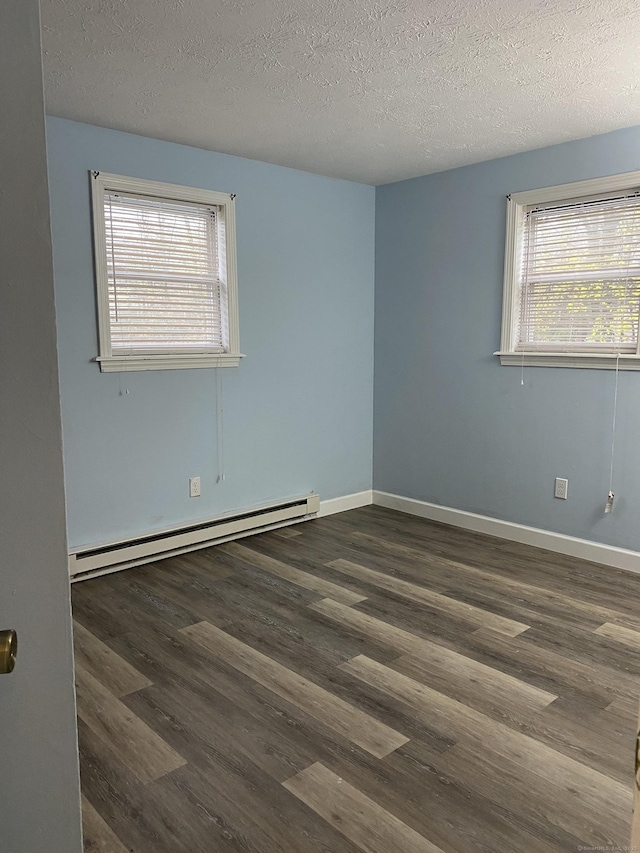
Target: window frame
102	182
516	208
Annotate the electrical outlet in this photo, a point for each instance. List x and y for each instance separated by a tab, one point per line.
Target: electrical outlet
562	488
194	487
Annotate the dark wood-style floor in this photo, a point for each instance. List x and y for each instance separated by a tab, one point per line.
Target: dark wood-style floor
365	682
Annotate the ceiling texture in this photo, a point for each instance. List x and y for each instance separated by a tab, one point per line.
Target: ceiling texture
359	89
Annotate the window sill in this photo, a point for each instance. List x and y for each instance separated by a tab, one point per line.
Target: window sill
118	363
595	361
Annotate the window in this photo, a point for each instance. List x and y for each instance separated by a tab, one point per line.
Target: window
166	275
572	275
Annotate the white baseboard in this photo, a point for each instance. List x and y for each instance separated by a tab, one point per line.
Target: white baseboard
584	549
345	502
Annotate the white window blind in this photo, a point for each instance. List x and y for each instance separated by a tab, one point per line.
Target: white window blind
165	274
580	276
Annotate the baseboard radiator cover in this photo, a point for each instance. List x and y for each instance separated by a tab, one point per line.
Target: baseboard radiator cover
124	554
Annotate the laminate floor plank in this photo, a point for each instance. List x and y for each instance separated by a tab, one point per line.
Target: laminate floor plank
579	642
249	589
119	797
255	823
591	649
572	728
596	741
434	806
243	742
445	728
357	817
160	817
175	655
287	533
94	607
98	836
372	735
476	616
620	635
596	791
138	746
173	661
277	736
591	663
289	573
441	573
192	576
137	598
229	765
311	559
199	570
535	802
103	663
460	673
583	580
275	619
625	708
120	601
598	682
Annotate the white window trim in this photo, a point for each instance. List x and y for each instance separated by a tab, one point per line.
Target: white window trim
516	204
109	363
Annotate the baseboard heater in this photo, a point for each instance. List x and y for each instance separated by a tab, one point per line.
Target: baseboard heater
113	556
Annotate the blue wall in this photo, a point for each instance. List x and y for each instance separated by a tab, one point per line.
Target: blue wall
451	425
298	410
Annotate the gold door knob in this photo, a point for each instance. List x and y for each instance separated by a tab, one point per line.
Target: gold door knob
8	651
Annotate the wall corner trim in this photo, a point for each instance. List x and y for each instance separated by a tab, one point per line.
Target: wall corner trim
583	549
341	504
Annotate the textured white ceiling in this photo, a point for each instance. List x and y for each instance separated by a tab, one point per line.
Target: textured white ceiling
360	89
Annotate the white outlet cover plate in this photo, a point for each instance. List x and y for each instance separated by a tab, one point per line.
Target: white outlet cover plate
194	487
562	488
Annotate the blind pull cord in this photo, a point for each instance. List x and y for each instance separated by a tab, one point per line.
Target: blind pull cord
219	426
608	507
609	504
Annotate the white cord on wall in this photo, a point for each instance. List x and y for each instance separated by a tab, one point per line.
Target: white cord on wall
219	426
609	504
608	507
